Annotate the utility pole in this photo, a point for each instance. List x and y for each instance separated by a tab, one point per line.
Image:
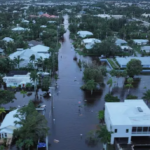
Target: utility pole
52	96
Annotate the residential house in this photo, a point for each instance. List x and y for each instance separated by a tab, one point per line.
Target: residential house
145	49
122	61
8	126
40	51
89	43
126	48
120	42
84	34
19	29
8	39
140	41
128	121
17	78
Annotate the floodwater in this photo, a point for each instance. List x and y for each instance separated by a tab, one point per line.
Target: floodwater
66	122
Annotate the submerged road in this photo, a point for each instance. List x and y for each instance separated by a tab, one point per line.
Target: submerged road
66	121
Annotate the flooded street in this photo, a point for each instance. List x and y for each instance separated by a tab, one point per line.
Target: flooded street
69	122
66	122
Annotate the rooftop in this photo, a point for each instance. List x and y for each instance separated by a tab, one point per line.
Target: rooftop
8	122
128	113
125	60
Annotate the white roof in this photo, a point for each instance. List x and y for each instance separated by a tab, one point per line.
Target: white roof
25	21
103	15
125	60
120	41
18	29
8	122
140	40
38	51
91	40
40	48
125	47
145	48
83	34
117	16
127	113
8	39
19	79
43	26
51	21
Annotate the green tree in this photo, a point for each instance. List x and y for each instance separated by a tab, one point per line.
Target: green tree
134	67
90	85
101	116
6	97
32	58
110	83
33	126
46	83
18	60
129	84
103	134
2	110
146	96
34	78
93	72
111	98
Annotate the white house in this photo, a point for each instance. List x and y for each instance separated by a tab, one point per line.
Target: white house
84	34
140	41
127	120
38	50
120	42
89	43
8	39
103	16
145	49
20	29
145	15
8	126
122	61
126	48
17	79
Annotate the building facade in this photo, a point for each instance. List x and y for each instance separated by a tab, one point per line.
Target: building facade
127	120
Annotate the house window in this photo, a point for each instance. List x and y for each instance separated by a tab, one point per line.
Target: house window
139	129
5	135
127	130
115	130
134	129
145	129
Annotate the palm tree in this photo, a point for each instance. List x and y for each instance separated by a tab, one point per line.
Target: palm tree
147	96
104	134
110	82
39	62
2	110
32	58
17	60
34	78
90	85
129	84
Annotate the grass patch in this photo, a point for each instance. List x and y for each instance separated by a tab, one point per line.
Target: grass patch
114	66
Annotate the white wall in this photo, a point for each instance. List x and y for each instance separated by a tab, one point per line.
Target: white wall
107	119
121	132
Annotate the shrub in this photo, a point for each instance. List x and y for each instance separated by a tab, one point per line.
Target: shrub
111	98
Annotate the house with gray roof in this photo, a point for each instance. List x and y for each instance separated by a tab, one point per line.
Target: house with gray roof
145	49
120	42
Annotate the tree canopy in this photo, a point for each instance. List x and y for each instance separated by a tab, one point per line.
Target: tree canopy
6	97
134	67
33	126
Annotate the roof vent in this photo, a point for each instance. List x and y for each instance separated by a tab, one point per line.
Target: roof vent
139	109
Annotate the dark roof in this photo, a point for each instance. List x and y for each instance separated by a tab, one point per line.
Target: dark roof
17	72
